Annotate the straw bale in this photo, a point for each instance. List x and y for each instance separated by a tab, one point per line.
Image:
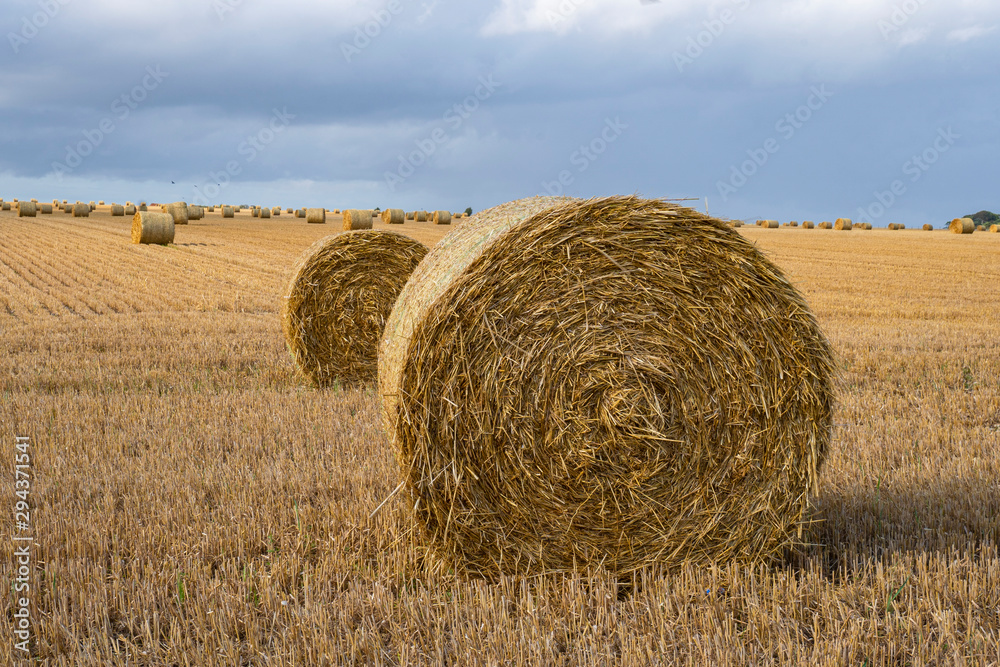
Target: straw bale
393	216
618	381
843	224
962	226
357	219
442	218
26	209
81	210
117	210
149	227
316	216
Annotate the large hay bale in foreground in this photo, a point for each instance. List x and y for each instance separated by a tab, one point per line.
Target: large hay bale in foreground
26	209
153	228
962	226
619	381
81	210
316	216
339	299
394	216
843	224
357	219
178	210
442	217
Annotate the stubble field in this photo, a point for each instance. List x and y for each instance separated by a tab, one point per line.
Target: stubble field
193	502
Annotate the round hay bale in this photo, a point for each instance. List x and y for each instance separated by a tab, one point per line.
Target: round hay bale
808	224
228	212
263	213
980	228
316	216
276	211
994	228
210	209
409	216
300	213
142	206
5	206
618	381
793	223
770	224
393	216
289	210
962	226
928	227
357	219
67	208
867	225
442	217
93	205
179	211
81	210
45	208
117	210
843	224
196	212
129	210
736	223
149	227
26	209
100	203
420	216
891	226
339	299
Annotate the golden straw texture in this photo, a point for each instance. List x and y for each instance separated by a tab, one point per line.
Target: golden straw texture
962	226
316	216
617	381
357	219
152	227
339	298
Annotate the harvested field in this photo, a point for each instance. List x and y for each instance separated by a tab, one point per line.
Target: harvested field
193	501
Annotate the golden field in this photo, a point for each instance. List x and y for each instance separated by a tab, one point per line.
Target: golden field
195	503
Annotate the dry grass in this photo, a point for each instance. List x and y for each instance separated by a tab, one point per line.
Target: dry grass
194	504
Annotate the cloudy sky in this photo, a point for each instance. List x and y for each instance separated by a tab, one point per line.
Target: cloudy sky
787	109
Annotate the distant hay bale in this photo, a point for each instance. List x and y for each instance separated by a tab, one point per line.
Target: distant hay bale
793	223
149	227
142	206
357	219
339	299
228	212
93	206
117	210
980	228
276	211
928	227
26	209
549	415
5	206
179	211
196	212
264	213
129	209
442	217
316	216
962	226
867	225
100	203
81	210
409	216
45	209
67	208
994	228
891	227
771	224
843	224
737	223
393	216
300	213
808	224
420	216
289	210
210	209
